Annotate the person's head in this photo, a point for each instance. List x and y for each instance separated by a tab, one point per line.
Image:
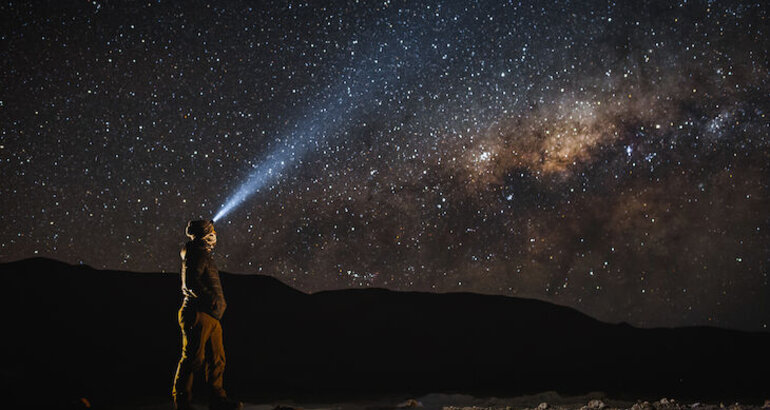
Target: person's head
203	230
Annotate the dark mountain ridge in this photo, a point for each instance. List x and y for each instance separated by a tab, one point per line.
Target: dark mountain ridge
112	335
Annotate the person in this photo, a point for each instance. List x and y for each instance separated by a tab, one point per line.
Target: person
203	306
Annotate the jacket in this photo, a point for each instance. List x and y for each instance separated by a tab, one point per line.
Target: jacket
201	286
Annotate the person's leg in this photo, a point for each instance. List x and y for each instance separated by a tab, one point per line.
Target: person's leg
194	335
215	360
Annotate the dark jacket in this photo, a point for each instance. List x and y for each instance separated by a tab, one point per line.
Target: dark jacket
201	286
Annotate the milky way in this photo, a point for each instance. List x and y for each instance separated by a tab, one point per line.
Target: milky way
612	157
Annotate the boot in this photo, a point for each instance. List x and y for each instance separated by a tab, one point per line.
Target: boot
225	403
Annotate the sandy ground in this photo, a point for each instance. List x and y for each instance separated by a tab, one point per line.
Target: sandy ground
542	401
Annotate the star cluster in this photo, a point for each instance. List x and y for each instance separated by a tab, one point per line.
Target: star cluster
609	156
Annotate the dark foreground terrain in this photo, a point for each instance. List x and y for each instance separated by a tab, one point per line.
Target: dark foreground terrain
112	337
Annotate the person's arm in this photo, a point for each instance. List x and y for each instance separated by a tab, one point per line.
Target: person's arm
201	278
187	279
213	288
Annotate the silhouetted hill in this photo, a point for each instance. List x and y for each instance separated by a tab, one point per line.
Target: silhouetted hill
112	336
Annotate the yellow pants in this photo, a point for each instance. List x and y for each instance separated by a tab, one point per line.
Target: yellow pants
201	345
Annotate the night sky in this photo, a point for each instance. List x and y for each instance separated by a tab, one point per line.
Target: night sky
611	157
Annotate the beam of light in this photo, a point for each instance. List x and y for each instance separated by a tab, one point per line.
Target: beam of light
341	105
338	113
262	175
295	146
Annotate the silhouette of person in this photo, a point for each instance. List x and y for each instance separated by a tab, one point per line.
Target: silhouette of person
203	306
